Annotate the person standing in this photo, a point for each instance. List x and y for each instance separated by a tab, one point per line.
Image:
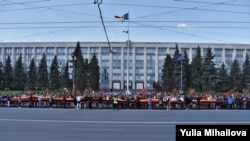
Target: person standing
149	103
127	102
90	101
1	98
40	100
64	101
230	102
50	100
217	103
198	102
137	101
8	99
161	102
78	104
19	100
115	103
168	102
100	102
31	100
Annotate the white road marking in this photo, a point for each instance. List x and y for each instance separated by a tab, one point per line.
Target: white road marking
130	122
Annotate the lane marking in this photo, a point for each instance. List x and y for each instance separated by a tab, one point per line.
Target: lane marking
130	122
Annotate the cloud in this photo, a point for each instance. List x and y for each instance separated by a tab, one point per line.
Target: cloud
182	25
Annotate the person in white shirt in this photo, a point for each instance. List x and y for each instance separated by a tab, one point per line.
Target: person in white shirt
78	104
39	101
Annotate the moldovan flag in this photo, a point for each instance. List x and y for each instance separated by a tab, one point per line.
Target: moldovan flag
143	91
125	31
123	17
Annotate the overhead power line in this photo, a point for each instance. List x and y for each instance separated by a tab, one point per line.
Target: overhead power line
135	5
181	8
133	21
220	3
138	26
17	3
44	7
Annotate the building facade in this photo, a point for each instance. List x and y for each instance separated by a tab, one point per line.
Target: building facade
145	59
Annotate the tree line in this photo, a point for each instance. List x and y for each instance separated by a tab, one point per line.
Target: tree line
86	73
200	74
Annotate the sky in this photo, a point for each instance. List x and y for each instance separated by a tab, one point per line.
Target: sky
195	21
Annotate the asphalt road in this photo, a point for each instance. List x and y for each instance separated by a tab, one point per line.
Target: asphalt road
34	124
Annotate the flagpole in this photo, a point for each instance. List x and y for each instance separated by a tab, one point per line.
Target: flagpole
127	92
181	76
180	59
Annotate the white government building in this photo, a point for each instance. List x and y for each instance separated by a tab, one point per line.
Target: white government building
146	59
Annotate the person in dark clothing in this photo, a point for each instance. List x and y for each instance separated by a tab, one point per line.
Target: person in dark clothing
19	100
137	100
100	102
1	98
217	103
51	101
8	100
161	102
198	102
64	101
127	102
90	99
31	101
168	103
190	104
187	102
75	101
248	103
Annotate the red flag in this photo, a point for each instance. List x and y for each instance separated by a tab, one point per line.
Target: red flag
143	91
119	17
227	93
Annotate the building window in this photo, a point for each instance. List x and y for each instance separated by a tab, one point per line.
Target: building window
50	50
217	57
248	52
183	50
29	50
228	61
239	57
204	52
18	51
171	51
61	50
39	50
162	51
8	51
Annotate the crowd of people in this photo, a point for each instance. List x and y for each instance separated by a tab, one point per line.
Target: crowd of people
100	100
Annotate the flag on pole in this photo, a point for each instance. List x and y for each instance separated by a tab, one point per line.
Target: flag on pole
126	16
143	91
123	17
180	58
125	31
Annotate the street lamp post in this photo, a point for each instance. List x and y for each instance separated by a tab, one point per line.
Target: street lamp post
127	86
248	86
73	73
